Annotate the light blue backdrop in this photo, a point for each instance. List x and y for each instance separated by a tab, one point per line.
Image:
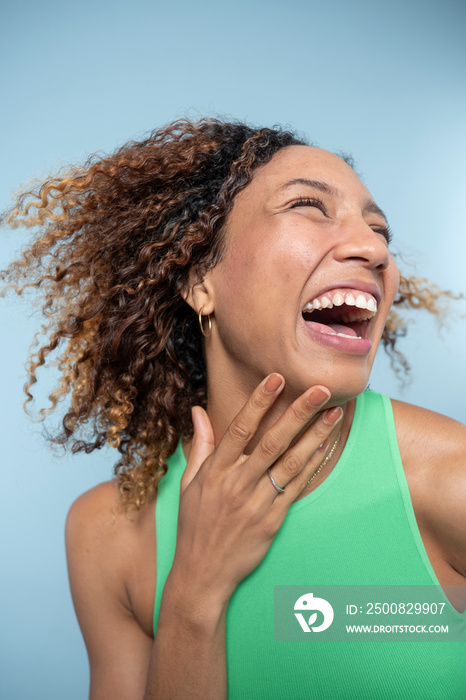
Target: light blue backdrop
383	80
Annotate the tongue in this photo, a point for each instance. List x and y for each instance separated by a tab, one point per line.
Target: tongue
333	328
347	330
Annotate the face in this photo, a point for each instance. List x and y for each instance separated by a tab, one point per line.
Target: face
307	280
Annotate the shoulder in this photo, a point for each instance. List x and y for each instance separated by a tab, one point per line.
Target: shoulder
426	438
95	503
433	452
95	530
95	518
102	537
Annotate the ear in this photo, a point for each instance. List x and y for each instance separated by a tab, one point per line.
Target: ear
199	293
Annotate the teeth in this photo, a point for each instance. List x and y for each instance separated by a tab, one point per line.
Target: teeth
343	335
361	302
339	298
326	303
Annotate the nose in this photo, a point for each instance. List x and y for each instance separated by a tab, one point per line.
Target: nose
361	243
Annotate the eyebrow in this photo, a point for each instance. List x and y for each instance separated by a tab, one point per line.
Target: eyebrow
316	184
370	207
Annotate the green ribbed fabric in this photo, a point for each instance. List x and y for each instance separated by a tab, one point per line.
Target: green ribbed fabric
358	527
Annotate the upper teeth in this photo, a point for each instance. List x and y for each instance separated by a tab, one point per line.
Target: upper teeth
361	300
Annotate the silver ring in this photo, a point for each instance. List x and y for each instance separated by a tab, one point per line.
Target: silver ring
274	483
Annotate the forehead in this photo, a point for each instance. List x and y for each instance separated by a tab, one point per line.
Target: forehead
305	163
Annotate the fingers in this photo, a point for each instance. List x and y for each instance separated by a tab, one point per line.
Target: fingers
245	424
274	447
294	469
293	428
203	444
276	441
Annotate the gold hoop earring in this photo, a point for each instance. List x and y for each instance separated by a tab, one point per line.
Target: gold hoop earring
201	324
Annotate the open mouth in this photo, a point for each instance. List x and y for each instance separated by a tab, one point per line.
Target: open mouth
342	312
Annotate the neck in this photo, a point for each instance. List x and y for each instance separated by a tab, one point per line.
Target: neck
227	396
344	426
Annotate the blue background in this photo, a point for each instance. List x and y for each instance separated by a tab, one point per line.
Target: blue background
382	80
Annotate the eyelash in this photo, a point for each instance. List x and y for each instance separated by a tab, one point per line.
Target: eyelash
309	202
315	202
386	233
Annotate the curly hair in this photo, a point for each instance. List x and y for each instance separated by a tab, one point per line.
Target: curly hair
114	245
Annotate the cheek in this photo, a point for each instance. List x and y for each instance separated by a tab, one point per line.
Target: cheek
254	277
277	252
262	273
394	279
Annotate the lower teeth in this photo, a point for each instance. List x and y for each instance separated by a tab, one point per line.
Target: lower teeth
343	335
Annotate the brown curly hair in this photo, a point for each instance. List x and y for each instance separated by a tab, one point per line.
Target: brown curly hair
115	242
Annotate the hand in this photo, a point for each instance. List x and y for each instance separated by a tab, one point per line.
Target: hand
229	510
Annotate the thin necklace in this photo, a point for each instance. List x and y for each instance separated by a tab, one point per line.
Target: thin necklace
327	459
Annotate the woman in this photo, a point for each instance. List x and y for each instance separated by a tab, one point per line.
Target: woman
221	292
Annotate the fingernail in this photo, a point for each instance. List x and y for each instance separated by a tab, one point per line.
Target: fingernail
317	397
273	383
333	415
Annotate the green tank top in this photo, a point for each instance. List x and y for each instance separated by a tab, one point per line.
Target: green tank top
358	527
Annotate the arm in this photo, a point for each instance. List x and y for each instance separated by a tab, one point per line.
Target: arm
189	655
229	514
433	451
96	542
98	537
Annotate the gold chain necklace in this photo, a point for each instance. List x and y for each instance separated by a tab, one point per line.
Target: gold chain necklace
327	459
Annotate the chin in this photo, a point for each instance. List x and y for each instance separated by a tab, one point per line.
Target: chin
344	380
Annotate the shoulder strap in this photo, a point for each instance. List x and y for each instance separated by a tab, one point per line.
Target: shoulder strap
166	521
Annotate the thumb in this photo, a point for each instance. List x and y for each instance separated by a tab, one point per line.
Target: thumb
202	446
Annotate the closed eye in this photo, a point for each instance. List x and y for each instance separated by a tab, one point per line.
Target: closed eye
385	231
309	202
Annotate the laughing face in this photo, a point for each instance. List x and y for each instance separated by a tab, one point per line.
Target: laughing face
307	280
